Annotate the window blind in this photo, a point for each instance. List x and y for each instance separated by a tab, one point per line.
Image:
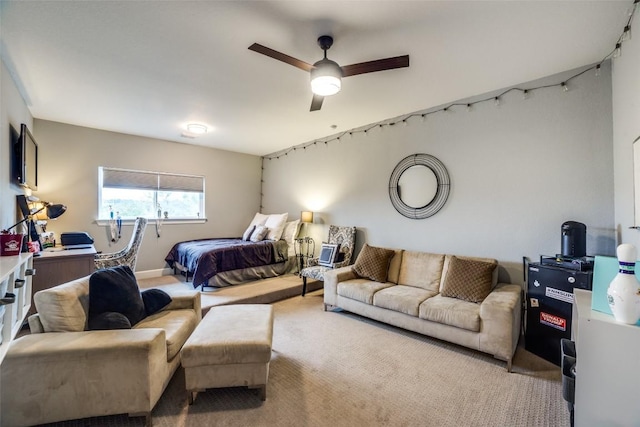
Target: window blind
122	178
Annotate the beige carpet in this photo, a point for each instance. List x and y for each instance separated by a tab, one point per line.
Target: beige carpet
337	369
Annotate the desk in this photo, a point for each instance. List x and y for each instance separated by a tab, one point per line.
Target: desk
57	266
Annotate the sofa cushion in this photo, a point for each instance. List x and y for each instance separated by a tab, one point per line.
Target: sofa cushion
421	269
177	325
373	263
361	289
115	289
64	308
394	266
469	280
405	299
451	311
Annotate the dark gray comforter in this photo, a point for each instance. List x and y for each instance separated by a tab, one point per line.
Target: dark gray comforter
205	258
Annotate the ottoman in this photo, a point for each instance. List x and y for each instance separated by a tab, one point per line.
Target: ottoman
230	347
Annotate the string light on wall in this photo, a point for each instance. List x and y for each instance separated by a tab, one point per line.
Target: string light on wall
526	92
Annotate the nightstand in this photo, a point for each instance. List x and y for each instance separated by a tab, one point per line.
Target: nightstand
304	248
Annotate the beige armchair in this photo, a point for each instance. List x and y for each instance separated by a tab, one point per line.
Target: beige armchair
346	238
61	371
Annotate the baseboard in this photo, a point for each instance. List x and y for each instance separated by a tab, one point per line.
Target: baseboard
147	274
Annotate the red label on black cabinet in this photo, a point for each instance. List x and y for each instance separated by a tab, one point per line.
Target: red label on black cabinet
553	321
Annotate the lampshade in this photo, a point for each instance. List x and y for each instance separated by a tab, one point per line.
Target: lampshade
326	78
38	210
54	211
306	216
42	211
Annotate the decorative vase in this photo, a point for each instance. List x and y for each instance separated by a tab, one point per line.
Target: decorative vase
623	293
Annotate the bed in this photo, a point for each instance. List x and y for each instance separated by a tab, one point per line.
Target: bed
229	261
219	262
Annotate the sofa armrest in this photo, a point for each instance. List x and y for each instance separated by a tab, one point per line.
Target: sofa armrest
185	299
500	320
331	280
79	374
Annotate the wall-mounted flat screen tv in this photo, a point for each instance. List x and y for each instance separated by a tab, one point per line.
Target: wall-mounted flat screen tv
26	159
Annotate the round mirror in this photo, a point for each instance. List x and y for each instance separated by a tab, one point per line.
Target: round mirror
417	186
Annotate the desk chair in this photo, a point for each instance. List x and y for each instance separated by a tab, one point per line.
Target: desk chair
128	255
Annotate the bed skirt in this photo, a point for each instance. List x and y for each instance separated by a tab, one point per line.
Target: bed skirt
243	275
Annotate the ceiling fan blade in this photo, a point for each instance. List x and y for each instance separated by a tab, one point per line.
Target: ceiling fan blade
280	56
377	65
316	102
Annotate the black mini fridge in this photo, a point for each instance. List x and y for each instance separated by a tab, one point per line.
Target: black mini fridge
549	305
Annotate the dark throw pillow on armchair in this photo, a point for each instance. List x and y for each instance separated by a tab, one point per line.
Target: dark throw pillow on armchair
115	290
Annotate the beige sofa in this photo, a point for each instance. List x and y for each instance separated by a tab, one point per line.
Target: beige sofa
62	371
411	299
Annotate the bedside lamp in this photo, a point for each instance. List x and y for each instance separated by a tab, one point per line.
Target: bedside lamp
306	216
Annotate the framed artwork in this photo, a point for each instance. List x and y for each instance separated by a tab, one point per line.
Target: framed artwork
328	254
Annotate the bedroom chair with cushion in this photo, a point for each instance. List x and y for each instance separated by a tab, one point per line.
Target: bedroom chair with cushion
128	255
345	238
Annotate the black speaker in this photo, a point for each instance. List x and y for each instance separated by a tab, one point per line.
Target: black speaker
574	239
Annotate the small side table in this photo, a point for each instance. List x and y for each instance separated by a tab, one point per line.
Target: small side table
304	248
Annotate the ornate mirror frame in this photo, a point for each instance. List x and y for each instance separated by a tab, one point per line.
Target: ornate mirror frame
442	191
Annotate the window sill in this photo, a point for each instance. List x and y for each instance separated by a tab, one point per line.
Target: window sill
105	222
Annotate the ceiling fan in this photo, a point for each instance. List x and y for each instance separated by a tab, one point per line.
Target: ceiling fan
326	75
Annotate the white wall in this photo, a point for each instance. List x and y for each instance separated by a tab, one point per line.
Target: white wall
13	112
626	128
68	173
518	171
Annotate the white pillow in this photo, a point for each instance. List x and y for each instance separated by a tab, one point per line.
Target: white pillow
290	231
275	224
259	219
289	235
259	233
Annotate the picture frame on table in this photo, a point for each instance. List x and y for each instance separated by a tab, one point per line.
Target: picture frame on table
328	254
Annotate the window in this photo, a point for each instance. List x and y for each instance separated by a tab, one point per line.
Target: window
131	193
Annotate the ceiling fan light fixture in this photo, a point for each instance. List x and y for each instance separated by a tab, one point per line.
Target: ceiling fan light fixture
326	78
326	85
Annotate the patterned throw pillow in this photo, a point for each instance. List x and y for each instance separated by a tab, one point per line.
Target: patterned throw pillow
468	280
259	233
247	234
373	263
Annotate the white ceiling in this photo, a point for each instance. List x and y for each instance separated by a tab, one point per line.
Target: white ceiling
149	67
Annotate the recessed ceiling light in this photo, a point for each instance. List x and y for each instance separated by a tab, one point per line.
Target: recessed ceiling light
196	128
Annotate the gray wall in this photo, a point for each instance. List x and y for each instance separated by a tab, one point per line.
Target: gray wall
69	161
518	171
626	128
13	112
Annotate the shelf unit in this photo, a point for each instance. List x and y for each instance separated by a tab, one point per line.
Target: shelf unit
15	278
607	367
